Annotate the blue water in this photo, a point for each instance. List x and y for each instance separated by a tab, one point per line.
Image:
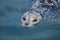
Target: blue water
11	28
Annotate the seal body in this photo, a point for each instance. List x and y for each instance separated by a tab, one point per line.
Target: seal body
46	10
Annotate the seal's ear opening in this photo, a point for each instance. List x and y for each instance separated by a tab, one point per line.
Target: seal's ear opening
41	15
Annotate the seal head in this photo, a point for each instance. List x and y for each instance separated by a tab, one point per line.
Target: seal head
31	18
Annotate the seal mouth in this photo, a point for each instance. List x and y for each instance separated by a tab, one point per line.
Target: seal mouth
26	27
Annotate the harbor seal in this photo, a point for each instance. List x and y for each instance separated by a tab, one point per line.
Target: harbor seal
38	11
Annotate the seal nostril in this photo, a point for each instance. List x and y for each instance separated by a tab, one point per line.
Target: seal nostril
26	24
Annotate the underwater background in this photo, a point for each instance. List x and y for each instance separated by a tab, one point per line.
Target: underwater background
11	28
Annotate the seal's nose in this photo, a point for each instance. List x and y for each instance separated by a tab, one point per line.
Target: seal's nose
26	24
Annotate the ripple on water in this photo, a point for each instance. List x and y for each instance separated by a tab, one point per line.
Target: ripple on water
10	8
2	13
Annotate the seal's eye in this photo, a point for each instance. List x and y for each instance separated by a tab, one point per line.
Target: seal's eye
24	18
35	20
